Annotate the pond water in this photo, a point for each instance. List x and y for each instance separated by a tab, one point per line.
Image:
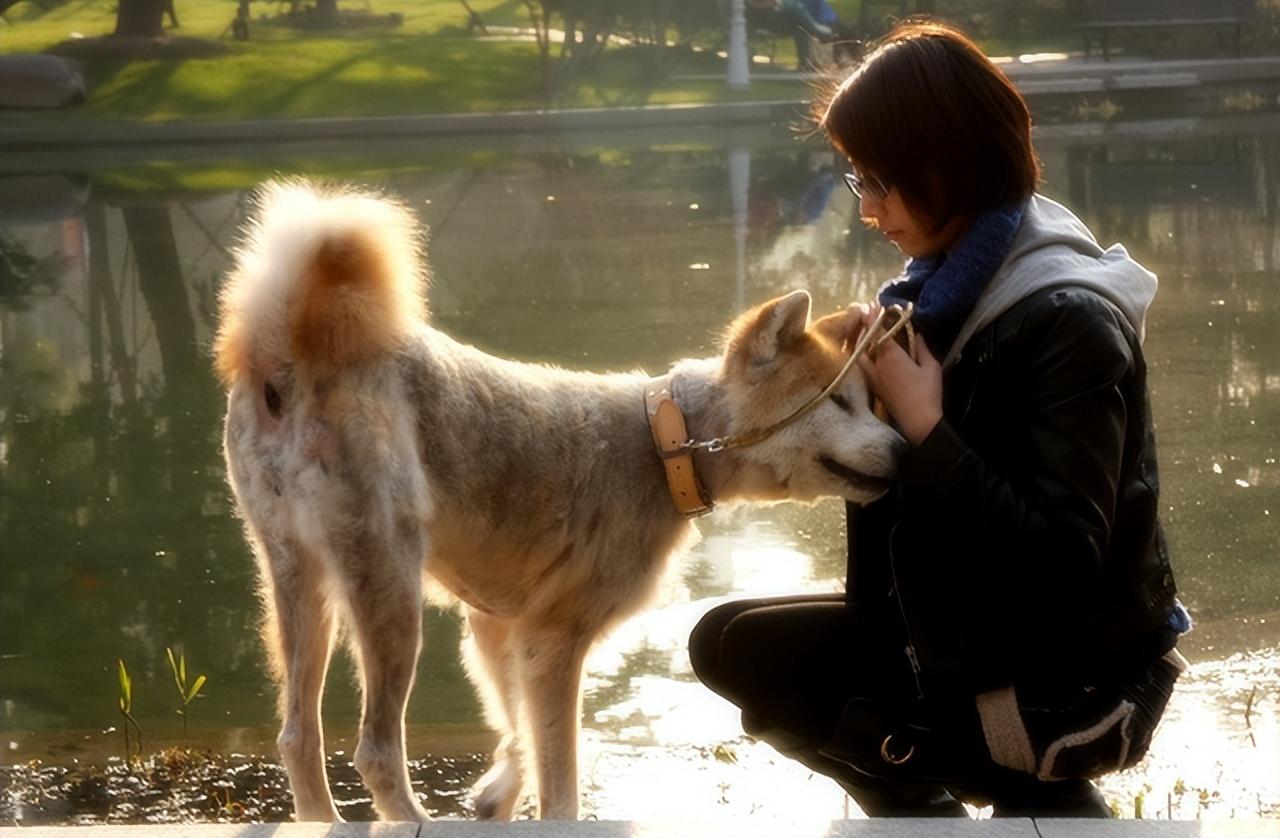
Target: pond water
598	252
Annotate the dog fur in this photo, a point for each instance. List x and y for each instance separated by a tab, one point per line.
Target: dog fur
365	449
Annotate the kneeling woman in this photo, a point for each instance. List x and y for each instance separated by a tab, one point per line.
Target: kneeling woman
1009	624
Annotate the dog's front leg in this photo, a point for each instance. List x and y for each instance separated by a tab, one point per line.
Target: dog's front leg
550	668
491	664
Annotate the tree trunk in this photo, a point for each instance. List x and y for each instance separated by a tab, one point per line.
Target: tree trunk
540	19
140	18
327	9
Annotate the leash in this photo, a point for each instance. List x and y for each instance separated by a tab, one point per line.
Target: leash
869	341
676	447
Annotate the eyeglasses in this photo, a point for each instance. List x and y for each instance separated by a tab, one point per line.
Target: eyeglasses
871	184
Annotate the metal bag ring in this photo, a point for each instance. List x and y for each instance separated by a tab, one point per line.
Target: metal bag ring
890	758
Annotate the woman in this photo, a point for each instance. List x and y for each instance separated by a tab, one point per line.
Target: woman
1009	624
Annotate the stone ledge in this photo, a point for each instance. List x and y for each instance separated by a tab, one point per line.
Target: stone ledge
762	828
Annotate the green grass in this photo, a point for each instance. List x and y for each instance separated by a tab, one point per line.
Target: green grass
428	64
319	76
35	25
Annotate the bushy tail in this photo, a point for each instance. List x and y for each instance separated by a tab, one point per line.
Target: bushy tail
325	276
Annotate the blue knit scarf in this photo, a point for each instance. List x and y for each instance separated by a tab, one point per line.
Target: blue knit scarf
944	288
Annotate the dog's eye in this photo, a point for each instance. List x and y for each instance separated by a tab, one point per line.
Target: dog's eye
842	403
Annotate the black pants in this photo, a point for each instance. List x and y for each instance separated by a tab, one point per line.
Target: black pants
792	663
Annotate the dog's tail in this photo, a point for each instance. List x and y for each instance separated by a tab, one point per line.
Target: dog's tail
325	277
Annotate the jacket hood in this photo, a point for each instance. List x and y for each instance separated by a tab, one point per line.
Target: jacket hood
1052	248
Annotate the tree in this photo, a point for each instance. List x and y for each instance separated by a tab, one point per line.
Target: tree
140	18
143	18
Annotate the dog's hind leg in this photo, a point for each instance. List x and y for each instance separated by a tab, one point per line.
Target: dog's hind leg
298	630
549	663
491	665
385	602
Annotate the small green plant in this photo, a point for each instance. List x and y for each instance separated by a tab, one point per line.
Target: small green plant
1140	801
126	710
185	694
225	807
725	753
1248	715
1105	110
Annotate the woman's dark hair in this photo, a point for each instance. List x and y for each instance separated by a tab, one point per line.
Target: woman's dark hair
928	113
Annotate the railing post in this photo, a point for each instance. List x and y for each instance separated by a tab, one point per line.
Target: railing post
739	196
739	62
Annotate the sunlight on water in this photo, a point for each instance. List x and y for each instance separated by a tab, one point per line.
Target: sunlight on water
754	568
673	741
1209	760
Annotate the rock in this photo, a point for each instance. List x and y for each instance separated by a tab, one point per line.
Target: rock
40	81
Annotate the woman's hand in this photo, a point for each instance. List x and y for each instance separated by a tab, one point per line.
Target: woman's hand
911	391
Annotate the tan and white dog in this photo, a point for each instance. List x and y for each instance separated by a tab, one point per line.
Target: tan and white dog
365	449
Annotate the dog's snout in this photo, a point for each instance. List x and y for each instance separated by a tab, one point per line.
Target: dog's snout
899	449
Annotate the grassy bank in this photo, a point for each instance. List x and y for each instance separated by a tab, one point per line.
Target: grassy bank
423	63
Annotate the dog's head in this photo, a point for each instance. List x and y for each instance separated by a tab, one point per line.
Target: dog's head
774	361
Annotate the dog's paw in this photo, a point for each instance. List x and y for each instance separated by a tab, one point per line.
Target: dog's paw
498	791
403	812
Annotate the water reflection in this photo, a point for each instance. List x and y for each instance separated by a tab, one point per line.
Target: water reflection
118	537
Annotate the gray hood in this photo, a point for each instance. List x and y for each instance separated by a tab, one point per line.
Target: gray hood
1052	247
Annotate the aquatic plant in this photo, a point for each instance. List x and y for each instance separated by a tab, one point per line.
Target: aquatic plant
185	694
126	710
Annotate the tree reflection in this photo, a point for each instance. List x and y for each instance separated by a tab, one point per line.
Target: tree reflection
22	275
119	536
119	539
104	309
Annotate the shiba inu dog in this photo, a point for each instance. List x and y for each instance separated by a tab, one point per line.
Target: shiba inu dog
366	449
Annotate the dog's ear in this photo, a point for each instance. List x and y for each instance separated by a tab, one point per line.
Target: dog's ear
762	334
843	327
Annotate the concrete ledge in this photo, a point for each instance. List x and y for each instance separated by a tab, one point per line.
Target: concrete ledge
194	133
1043	87
1146	81
762	828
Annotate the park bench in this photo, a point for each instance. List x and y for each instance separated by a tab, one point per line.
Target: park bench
1102	17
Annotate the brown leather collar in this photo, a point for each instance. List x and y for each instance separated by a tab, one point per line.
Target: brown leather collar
670	437
676	447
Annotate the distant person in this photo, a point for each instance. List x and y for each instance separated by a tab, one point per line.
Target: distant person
1009	625
834	31
807	20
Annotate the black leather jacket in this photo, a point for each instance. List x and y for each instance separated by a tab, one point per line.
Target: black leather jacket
1021	540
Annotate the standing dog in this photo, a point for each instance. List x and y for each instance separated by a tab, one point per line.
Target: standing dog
365	449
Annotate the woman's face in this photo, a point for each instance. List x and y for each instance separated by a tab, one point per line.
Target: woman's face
888	213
